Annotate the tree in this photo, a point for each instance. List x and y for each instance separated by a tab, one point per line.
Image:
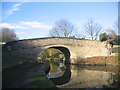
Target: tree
63	28
103	37
111	34
7	34
92	29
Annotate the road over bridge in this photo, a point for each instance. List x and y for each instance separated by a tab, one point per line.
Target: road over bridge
73	49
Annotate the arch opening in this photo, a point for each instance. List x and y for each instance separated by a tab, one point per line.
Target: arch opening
66	53
59	72
48	54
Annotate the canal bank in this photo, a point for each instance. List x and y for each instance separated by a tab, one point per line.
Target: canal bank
34	78
23	73
99	60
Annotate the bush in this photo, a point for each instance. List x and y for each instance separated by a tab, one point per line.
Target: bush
103	37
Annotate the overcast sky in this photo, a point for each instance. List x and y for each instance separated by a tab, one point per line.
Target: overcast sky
35	19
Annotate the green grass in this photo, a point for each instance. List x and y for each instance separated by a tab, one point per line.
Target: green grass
39	81
14	68
8	60
10	75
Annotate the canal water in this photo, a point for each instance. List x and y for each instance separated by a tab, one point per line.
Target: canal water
77	76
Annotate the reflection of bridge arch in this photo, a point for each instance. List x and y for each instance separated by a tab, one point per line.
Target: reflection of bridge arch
65	78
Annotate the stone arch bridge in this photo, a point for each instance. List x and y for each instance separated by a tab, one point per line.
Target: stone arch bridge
73	49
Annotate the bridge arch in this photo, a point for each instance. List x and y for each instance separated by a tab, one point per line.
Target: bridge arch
65	51
73	49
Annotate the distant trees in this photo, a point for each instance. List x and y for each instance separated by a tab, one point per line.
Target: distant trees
63	28
92	29
7	34
51	54
111	34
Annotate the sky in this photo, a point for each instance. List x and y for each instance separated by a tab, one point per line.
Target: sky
36	19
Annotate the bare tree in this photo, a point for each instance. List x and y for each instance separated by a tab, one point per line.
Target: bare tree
63	28
92	29
7	34
111	33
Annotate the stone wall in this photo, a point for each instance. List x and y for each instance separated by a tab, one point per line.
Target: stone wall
78	48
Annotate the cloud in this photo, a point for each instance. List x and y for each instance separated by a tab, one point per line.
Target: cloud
20	33
14	8
27	25
35	24
7	25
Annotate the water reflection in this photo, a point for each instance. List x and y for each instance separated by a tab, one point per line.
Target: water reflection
56	70
76	76
84	77
64	76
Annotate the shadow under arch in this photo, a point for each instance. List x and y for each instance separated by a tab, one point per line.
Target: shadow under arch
65	78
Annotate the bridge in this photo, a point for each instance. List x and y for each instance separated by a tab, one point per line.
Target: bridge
73	49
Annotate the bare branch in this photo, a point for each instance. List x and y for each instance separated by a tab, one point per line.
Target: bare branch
63	28
92	29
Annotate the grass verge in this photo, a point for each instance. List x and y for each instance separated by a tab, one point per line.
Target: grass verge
14	68
8	60
39	81
11	74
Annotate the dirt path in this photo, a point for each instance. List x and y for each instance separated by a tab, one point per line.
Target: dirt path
26	78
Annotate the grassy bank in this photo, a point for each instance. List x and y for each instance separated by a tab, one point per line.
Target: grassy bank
13	73
39	80
8	60
13	68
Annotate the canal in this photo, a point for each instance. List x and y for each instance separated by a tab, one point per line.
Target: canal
78	76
